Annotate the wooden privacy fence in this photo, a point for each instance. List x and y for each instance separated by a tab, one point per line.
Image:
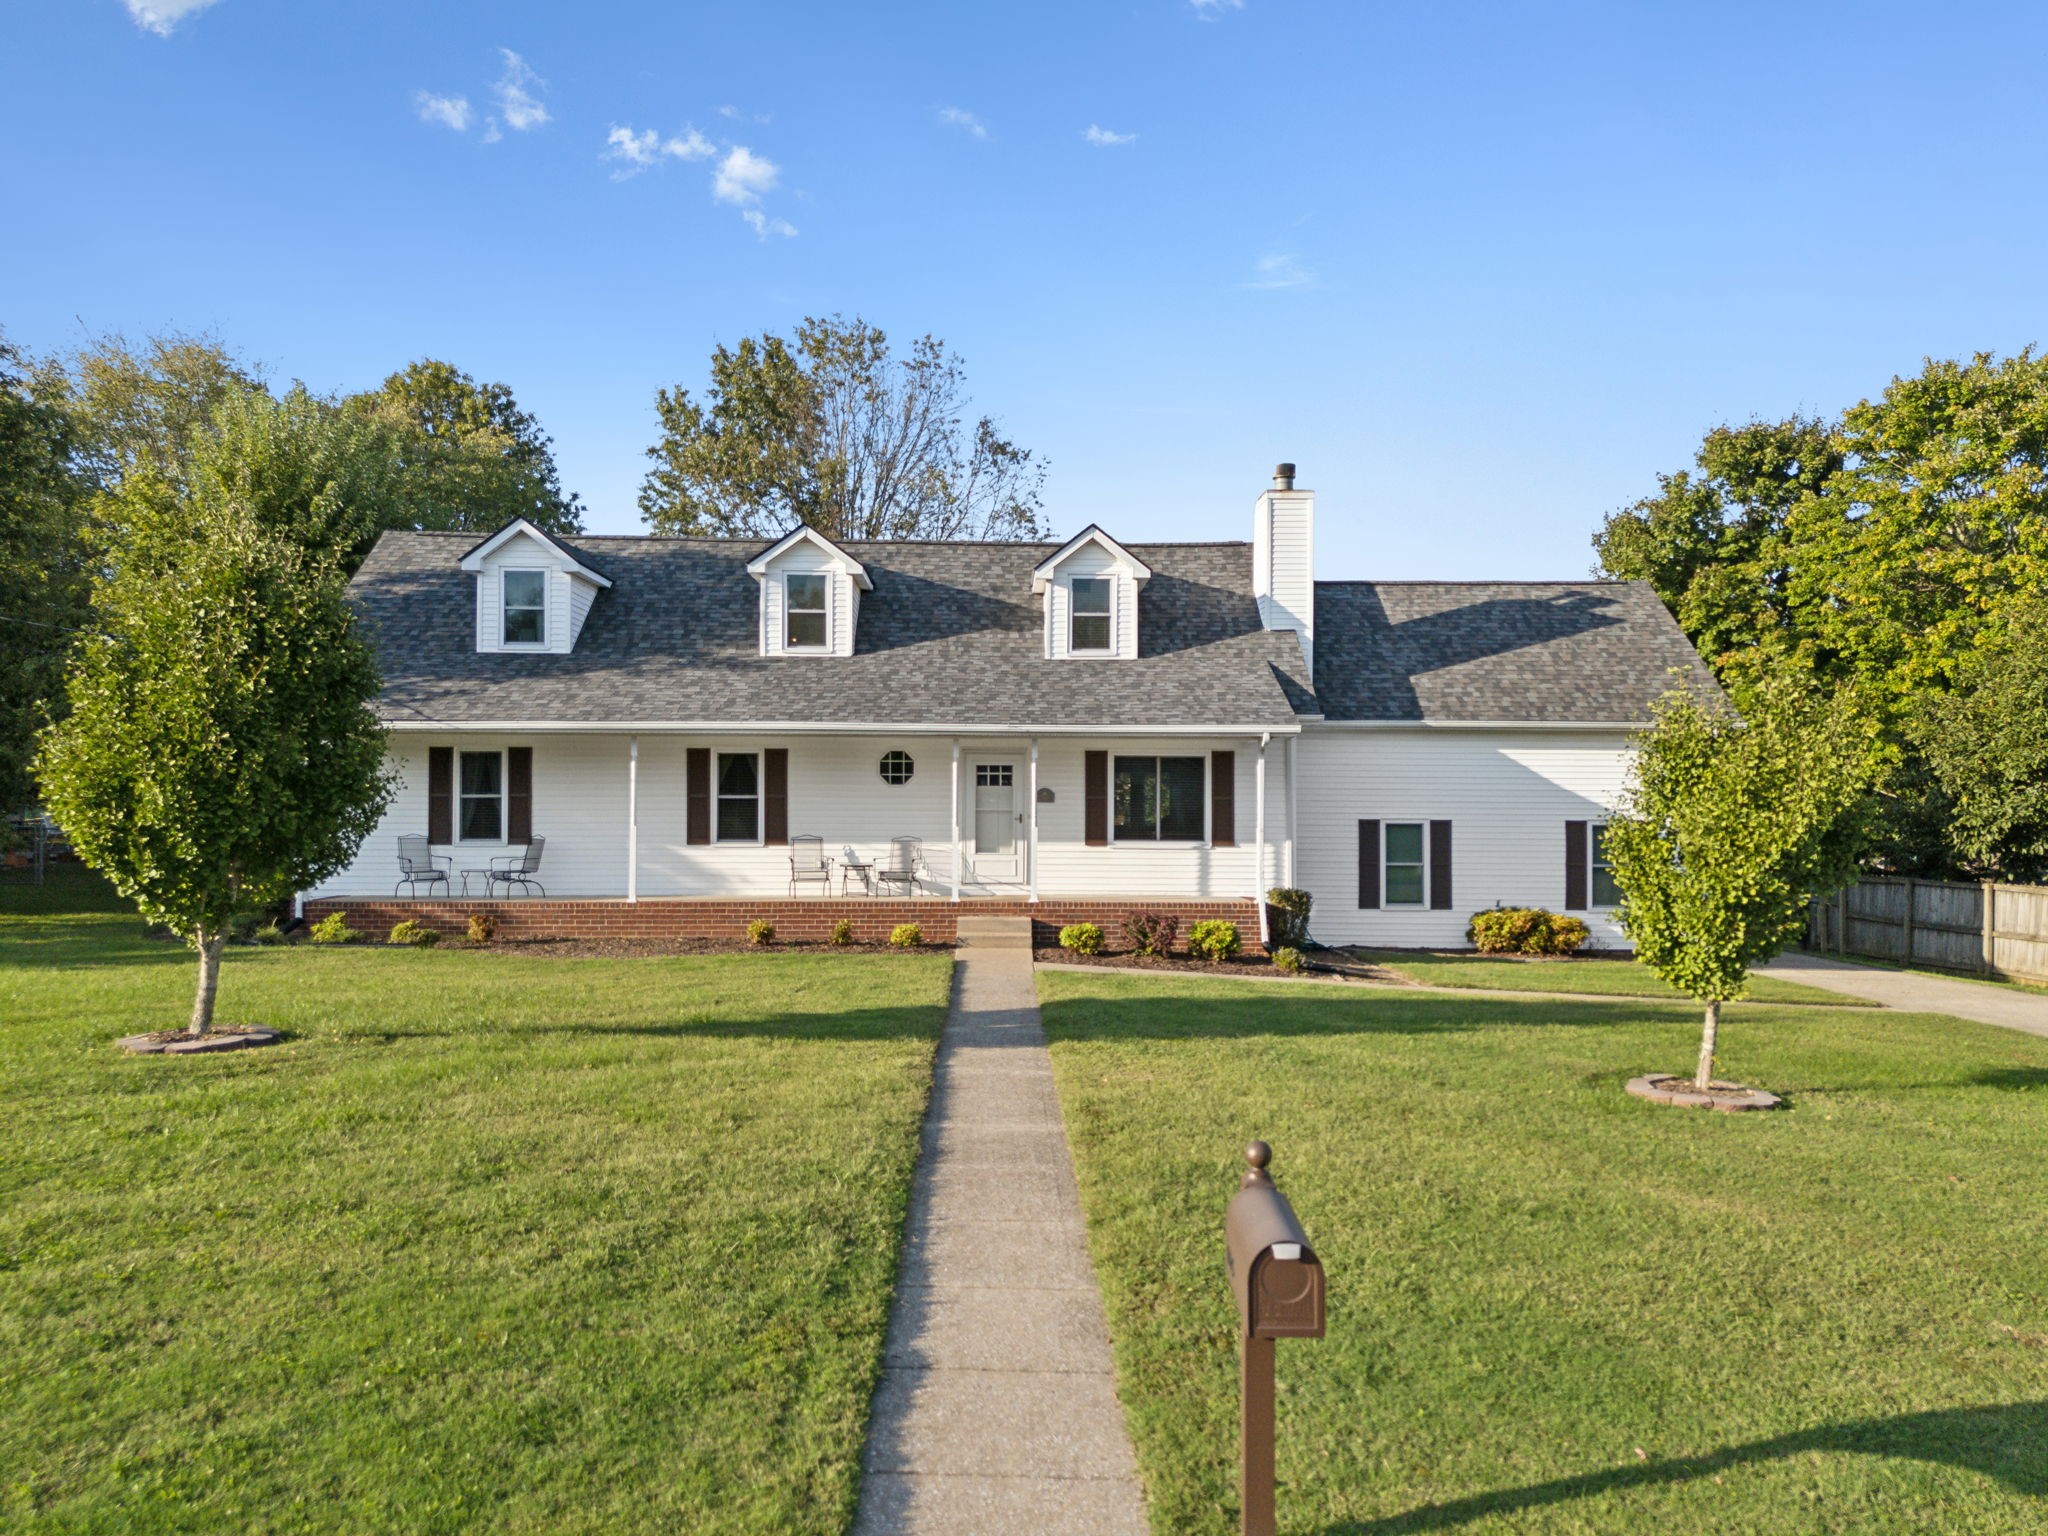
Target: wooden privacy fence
1980	928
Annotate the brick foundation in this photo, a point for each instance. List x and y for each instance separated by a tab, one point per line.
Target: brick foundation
793	919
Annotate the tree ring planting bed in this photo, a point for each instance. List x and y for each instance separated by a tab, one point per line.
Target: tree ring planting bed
176	1042
1731	1098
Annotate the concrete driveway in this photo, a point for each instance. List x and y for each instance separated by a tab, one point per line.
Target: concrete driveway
2011	1007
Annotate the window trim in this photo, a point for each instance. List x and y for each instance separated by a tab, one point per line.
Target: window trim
1157	841
1594	865
719	797
505	608
1107	615
503	797
824	610
1421	824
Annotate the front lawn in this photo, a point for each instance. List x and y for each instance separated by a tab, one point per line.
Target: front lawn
490	1243
1587	975
1554	1308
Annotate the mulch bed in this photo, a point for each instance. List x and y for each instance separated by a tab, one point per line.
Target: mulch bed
1123	959
177	1042
1729	1098
641	949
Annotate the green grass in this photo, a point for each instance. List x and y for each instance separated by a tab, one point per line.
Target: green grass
1554	1308
490	1243
1588	977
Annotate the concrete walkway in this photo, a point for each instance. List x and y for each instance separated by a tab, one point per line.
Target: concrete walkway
996	1411
2011	1007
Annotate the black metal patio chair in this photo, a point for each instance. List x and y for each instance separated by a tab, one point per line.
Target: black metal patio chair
419	865
513	869
905	862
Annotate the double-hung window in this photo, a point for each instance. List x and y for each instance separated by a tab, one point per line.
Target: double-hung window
1088	626
480	814
1406	872
525	605
803	612
1160	799
739	797
1606	893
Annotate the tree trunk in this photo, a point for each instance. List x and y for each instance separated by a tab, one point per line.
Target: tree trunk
1705	1075
209	982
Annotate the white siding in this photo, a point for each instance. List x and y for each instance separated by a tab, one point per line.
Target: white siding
1092	560
1507	794
842	600
568	596
1283	563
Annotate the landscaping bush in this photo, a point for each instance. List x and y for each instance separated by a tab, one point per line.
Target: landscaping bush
1215	940
1287	958
842	933
1151	933
1525	931
906	936
761	931
1081	938
1288	921
269	933
419	935
482	927
333	929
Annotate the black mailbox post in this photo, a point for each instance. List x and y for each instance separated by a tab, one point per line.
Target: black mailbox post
1278	1282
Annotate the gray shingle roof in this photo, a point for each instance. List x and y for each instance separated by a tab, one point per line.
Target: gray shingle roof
1496	650
950	635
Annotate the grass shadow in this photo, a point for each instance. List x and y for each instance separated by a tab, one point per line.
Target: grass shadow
1108	1017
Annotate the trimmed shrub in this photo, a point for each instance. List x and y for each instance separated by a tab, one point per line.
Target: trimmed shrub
1151	933
1525	931
760	931
269	933
1081	938
842	933
906	936
419	935
482	927
333	929
1287	958
1288	920
1215	939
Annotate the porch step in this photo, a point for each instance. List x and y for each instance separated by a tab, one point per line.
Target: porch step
995	932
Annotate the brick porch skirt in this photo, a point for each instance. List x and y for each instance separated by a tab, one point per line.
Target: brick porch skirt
693	918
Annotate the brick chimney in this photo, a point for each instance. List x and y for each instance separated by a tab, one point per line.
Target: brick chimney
1284	561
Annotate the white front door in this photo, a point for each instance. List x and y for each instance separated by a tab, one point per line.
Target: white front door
998	824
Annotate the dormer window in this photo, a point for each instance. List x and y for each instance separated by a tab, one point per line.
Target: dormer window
1091	613
526	607
804	611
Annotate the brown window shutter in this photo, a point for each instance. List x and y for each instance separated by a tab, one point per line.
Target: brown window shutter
1440	866
1575	866
775	797
440	794
697	787
1223	799
1368	864
1095	787
519	794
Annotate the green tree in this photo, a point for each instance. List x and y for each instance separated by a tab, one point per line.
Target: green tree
1727	827
1987	747
221	752
832	430
145	407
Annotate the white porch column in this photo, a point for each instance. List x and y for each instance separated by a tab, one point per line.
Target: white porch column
1259	837
632	818
1032	791
956	818
1293	828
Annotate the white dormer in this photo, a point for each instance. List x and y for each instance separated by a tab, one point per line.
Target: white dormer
810	595
1090	586
532	592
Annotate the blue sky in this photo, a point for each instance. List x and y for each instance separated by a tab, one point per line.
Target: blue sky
1483	270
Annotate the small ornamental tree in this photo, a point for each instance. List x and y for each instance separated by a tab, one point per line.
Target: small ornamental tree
221	752
1728	826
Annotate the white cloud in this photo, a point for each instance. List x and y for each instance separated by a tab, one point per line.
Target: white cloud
690	145
520	108
742	176
1209	10
764	226
960	119
738	116
162	16
448	111
1102	136
639	150
1281	271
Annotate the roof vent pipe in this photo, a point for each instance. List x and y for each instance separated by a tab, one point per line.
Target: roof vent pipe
1283	477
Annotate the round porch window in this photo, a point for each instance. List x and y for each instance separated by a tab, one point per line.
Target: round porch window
896	767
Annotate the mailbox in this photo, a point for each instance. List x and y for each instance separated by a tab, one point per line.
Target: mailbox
1276	1275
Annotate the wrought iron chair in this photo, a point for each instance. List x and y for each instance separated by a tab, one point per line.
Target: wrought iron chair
419	865
808	864
520	869
905	861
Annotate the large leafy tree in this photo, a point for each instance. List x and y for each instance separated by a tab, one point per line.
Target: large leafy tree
832	429
221	752
1987	749
145	407
1729	824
